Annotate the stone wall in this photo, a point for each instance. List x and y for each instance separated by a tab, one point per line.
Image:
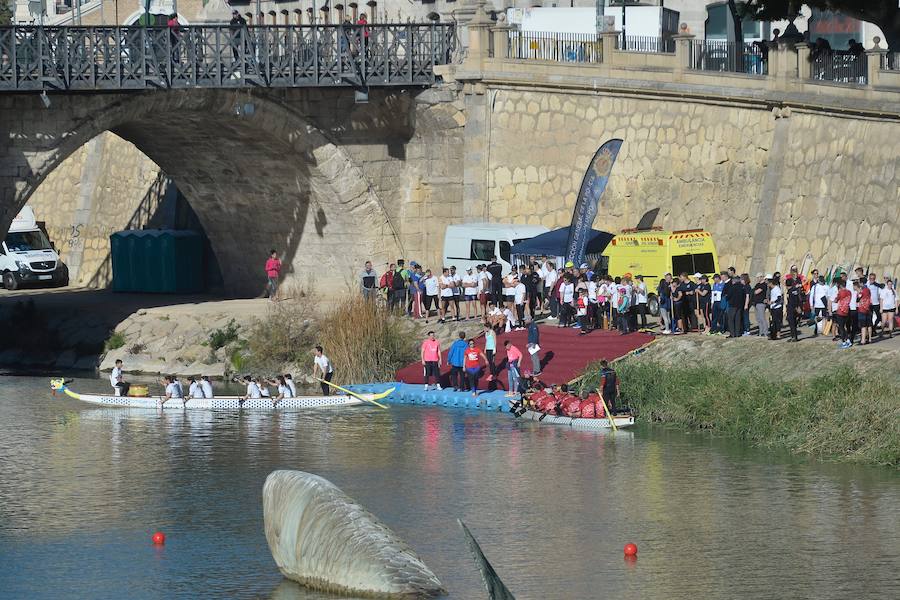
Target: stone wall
804	183
103	187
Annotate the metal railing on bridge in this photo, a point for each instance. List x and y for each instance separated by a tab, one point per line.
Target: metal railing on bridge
645	43
122	58
560	47
890	61
839	67
729	57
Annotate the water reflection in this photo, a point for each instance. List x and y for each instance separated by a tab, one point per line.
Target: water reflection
83	488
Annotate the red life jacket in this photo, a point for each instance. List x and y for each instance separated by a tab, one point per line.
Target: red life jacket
599	413
587	409
571	405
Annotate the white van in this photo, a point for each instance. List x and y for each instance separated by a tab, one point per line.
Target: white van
473	244
28	257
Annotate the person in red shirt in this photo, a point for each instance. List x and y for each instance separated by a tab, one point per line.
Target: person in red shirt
273	272
474	359
841	316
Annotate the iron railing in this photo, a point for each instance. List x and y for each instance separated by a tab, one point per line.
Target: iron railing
644	43
559	47
839	67
77	58
729	57
890	61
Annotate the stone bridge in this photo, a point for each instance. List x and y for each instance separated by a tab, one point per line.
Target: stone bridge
328	182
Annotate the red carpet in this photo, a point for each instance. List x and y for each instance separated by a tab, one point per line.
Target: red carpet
564	354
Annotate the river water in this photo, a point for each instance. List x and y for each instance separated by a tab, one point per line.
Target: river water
82	489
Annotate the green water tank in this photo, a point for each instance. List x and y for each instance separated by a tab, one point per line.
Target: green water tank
163	261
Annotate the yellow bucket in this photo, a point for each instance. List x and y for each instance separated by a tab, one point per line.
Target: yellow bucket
140	391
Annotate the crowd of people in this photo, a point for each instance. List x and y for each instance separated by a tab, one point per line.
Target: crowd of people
573	296
847	306
839	304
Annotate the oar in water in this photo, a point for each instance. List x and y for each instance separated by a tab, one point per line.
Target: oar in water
609	415
355	395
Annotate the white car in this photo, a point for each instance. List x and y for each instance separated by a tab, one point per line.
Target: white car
27	256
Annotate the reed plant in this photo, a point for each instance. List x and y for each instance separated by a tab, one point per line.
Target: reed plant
839	413
363	341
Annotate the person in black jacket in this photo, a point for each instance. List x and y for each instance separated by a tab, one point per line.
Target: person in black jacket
735	295
794	305
238	25
534	339
496	271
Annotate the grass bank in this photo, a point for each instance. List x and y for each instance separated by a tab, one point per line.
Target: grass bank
837	412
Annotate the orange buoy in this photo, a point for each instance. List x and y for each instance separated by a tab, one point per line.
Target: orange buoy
159	538
630	549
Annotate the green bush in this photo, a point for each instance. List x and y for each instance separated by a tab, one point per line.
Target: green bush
114	341
222	337
839	413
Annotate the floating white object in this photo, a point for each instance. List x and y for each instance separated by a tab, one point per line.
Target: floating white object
322	538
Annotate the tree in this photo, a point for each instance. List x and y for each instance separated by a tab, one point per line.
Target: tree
6	13
884	13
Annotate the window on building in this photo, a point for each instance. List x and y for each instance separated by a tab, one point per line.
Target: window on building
719	25
838	29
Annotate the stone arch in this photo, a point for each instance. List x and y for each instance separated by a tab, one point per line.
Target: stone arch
257	172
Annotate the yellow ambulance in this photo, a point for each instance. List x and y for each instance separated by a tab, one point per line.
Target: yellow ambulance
654	252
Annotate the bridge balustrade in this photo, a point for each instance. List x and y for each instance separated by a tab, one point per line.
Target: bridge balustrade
122	58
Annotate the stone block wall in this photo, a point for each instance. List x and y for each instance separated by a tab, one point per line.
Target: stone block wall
95	192
826	191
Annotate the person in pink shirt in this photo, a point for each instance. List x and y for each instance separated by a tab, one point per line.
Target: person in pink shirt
273	271
513	358
431	360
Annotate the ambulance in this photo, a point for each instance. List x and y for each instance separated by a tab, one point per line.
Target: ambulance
27	257
654	252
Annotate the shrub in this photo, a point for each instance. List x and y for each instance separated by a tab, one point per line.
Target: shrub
137	348
222	337
114	341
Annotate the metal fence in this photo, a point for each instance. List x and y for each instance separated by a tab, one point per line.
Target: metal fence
560	47
729	57
839	67
36	58
890	61
643	43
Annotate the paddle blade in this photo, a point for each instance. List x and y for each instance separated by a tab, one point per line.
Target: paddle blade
495	588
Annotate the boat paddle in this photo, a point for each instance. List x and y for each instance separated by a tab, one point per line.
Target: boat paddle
355	395
609	415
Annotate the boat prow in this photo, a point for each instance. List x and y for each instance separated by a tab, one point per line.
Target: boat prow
217	403
577	422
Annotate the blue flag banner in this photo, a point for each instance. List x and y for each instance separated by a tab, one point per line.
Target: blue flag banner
588	202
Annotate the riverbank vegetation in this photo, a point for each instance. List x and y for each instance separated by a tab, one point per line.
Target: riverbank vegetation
362	341
834	413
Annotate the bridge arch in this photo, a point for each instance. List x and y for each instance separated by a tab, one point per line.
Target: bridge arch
255	169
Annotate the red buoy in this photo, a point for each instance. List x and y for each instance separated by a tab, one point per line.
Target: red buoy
630	549
159	538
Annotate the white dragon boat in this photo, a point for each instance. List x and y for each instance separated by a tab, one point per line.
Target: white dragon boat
577	422
218	402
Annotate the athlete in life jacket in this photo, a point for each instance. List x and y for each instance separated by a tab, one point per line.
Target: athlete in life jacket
609	386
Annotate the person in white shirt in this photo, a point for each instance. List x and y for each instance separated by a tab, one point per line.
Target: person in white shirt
470	293
322	365
519	299
263	386
431	294
457	291
195	390
290	383
509	318
640	299
206	387
566	301
173	390
117	379
284	390
875	291
253	391
550	279
446	286
888	298
818	299
484	289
